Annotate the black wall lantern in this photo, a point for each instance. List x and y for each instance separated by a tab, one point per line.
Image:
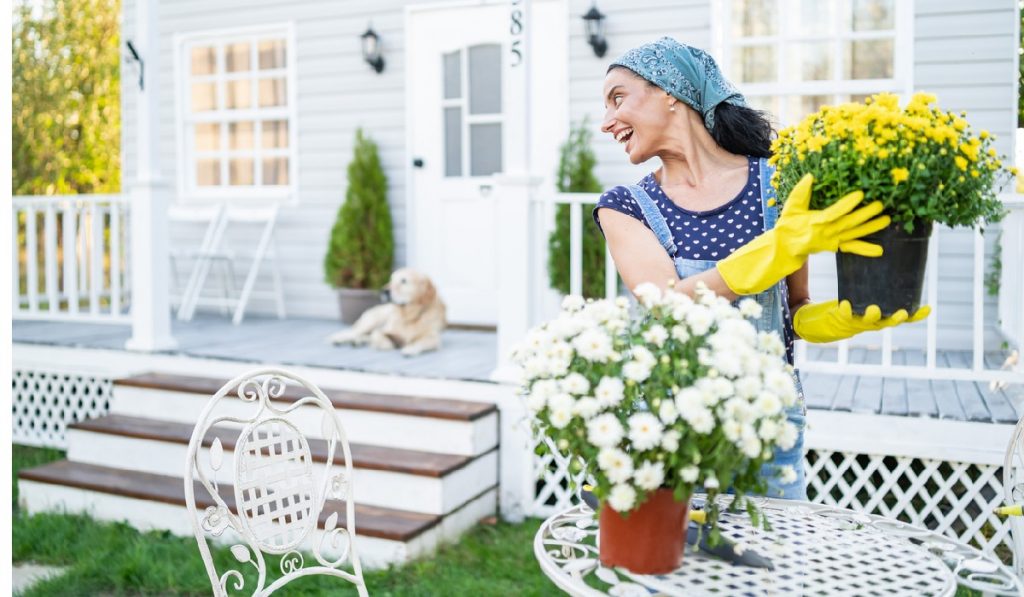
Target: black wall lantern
595	30
371	49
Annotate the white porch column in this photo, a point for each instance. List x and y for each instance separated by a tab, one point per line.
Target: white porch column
151	312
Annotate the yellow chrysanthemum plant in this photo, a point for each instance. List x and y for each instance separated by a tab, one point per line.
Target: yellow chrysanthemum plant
924	164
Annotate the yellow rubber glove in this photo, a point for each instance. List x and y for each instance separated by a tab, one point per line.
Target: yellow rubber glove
833	320
801	231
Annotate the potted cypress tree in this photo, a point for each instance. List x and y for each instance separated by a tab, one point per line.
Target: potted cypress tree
576	175
361	248
925	165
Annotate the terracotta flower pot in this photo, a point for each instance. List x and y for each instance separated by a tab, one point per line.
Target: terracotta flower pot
354	301
648	540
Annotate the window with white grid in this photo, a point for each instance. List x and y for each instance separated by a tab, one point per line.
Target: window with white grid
790	57
236	97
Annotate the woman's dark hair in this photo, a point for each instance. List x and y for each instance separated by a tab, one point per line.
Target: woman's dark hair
738	129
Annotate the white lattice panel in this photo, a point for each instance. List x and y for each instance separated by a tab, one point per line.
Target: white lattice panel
953	498
44	403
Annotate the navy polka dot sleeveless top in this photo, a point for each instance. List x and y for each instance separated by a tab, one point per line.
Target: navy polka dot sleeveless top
707	235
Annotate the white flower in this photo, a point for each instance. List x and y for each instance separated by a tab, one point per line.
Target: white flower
621	498
700	319
751	447
670	441
636	371
650	475
781	383
748	386
648	294
739	410
711	483
768	430
644	431
749	308
586	408
575	383
787	475
536	402
689	474
604	431
786	438
722	388
679	332
701	420
667	412
616	464
609	391
593	345
770	343
732	429
560	417
561	401
767	404
573	302
656	335
642	355
739	329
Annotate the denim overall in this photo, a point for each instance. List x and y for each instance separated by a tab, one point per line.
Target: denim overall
770	320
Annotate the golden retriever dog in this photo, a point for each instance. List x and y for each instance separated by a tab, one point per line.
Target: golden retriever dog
412	320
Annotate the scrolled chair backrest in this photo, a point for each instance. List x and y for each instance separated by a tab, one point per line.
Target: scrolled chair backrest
278	493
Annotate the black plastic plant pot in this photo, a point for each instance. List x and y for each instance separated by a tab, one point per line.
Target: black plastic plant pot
892	281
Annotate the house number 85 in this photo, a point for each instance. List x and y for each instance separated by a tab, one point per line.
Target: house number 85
516	29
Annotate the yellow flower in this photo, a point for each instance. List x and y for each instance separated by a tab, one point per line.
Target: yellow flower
984	134
883	153
961	162
1013	171
899	175
974	173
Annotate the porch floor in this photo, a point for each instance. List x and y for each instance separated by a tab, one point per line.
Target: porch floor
471	355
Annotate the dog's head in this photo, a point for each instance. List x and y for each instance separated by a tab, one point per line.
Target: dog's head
408	286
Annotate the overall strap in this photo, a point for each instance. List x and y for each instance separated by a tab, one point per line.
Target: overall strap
769	202
654	218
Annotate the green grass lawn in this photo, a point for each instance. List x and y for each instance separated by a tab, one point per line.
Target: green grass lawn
115	559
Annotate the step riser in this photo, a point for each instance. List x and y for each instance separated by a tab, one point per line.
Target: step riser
401	491
374	552
467	438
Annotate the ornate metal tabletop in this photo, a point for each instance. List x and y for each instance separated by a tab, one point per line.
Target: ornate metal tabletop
814	549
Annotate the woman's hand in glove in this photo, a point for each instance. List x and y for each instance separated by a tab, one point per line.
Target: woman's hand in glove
799	232
833	320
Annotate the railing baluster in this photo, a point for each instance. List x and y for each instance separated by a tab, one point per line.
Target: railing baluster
15	265
932	273
31	260
115	258
575	248
96	258
70	221
843	356
978	299
50	258
887	347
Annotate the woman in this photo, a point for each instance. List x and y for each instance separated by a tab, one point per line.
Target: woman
709	215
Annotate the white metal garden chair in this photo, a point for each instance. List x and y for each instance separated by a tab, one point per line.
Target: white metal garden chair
279	493
1013	492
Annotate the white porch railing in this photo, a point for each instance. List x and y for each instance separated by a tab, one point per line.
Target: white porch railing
1011	301
70	259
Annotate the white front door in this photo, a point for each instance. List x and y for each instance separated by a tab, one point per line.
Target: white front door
456	127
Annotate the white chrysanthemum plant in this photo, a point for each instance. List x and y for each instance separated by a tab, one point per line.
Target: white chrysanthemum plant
686	394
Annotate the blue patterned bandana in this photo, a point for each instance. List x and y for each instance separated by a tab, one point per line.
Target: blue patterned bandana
689	74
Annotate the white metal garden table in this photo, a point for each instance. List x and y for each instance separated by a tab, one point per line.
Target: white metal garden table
814	549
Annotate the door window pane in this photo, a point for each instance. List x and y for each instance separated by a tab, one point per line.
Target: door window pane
204	61
272	54
810	61
207	137
275	171
208	172
485	79
236	57
240	135
240	171
484	149
802	105
453	75
754	64
453	141
204	97
754	18
871	15
816	17
869	59
272	92
275	134
239	94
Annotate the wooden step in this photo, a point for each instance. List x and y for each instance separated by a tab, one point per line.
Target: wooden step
383	523
438	408
413	462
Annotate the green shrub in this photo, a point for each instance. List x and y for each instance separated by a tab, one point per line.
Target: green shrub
576	175
361	249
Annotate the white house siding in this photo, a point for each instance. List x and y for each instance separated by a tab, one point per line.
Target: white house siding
962	52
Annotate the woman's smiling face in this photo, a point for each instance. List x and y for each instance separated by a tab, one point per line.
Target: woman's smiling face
636	114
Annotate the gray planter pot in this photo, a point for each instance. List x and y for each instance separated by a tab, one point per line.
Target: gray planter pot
354	301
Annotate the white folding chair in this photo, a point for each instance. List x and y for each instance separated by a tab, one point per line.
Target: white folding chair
235	218
1013	492
279	493
212	218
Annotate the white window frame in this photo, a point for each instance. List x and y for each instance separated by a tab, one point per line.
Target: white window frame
188	191
837	87
467	119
